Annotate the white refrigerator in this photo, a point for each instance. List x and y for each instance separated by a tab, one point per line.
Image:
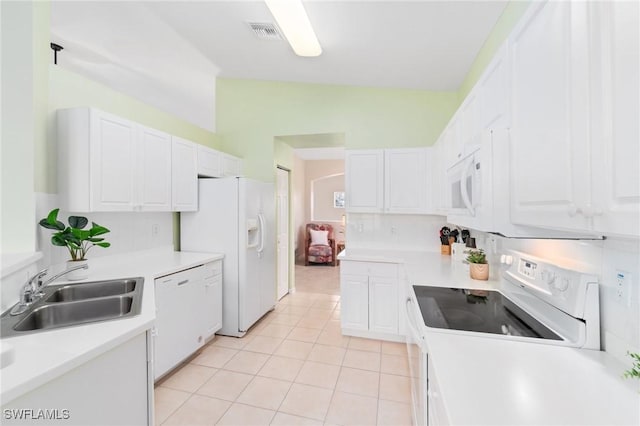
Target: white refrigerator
236	216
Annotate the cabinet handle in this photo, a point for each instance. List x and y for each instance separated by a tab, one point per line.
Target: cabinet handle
183	282
573	210
591	211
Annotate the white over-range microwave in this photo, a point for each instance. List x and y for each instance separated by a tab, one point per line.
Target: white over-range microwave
469	188
478	191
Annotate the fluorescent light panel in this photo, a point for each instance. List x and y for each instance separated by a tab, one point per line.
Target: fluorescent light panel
294	23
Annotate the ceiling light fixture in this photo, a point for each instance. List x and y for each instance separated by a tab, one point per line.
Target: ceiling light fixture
294	23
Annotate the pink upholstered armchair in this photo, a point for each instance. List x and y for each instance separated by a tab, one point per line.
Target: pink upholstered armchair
320	245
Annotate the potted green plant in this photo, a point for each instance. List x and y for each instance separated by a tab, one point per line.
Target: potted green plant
478	266
75	238
634	371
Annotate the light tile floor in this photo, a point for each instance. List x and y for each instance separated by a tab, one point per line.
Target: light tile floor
294	367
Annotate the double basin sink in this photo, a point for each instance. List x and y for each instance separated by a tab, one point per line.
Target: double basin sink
66	305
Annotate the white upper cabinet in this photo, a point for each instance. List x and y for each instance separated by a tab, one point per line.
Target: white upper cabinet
453	146
107	163
406	180
389	181
112	161
575	110
493	92
470	129
209	162
616	138
364	180
550	117
154	179
184	175
439	181
231	166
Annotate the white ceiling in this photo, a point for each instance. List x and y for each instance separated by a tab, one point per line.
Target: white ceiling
182	45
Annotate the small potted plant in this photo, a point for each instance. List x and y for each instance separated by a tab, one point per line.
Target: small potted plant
634	371
478	266
75	238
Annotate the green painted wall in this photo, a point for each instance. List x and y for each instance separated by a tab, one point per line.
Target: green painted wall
25	39
505	24
251	113
68	90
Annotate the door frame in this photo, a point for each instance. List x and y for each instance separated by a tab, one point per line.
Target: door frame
280	295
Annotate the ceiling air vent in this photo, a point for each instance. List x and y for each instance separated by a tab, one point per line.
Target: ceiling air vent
265	30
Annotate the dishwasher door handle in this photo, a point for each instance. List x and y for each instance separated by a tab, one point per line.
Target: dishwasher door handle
183	282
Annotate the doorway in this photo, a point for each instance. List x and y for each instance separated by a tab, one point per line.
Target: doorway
282	230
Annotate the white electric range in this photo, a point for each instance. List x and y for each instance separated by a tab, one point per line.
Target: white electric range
537	302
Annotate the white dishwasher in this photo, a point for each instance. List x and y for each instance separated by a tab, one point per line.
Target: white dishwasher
178	331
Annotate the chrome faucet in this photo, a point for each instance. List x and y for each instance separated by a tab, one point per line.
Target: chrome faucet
32	290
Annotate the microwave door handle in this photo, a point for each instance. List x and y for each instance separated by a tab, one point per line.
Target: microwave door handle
463	187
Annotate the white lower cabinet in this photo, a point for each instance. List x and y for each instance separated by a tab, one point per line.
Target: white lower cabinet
115	388
369	296
188	312
212	300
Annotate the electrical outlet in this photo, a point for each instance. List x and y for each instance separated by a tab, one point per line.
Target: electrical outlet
622	288
154	230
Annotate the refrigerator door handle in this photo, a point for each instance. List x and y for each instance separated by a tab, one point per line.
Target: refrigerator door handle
261	230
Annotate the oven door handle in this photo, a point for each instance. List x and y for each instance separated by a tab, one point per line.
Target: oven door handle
463	186
413	329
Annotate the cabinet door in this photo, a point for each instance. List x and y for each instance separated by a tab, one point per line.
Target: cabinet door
616	176
364	179
231	166
110	389
439	178
354	299
184	173
470	128
212	299
154	170
550	174
113	167
494	92
209	162
452	142
383	304
405	180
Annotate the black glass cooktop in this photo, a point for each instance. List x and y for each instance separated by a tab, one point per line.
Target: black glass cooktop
483	311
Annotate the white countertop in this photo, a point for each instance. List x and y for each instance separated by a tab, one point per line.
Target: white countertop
492	381
485	381
41	357
424	268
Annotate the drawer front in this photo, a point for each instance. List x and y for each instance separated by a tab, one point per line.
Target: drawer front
379	269
212	269
191	274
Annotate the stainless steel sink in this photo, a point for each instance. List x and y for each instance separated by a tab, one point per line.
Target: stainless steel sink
65	314
67	305
73	292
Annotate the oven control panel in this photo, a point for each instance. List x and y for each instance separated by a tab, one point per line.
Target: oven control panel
528	268
560	286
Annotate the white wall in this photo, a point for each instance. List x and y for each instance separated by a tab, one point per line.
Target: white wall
129	231
322	190
18	124
399	231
